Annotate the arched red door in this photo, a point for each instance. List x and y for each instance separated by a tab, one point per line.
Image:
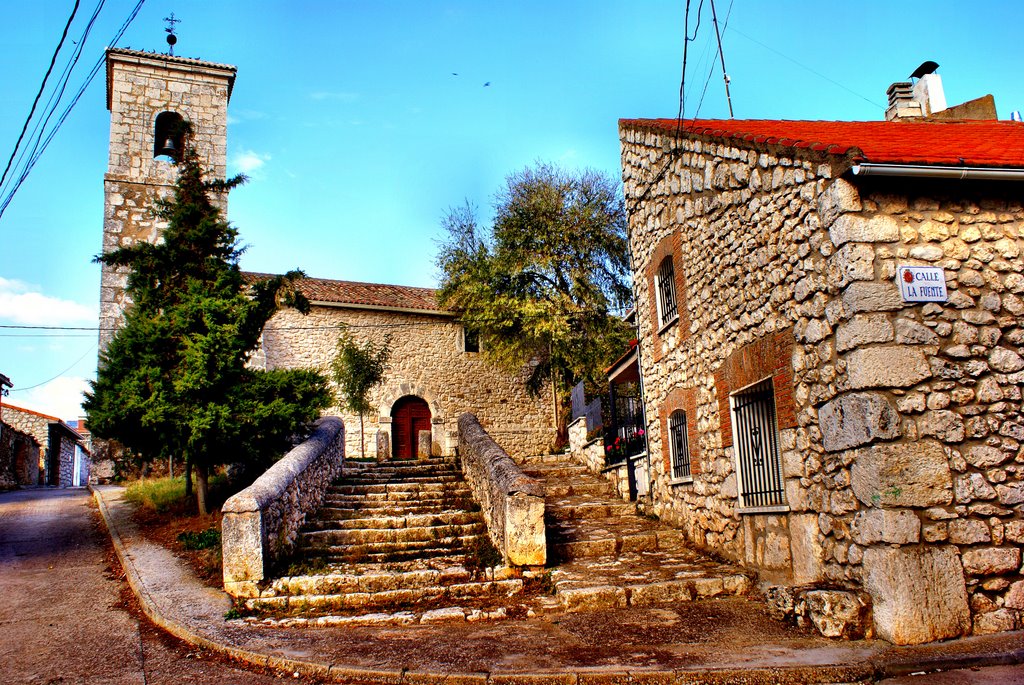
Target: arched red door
409	416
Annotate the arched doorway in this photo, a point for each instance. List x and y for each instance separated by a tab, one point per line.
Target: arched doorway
409	416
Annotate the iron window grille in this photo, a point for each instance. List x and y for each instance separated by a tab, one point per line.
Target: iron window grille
679	445
756	442
665	284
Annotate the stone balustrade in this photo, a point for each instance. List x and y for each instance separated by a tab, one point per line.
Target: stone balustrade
512	502
261	523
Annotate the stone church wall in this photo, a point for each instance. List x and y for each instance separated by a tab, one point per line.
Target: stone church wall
427	361
900	423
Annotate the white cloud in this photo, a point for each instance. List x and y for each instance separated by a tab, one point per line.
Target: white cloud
22	303
250	162
61	397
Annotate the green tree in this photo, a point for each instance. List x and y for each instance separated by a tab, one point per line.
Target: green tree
540	284
356	370
174	379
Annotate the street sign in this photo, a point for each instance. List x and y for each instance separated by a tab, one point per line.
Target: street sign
922	283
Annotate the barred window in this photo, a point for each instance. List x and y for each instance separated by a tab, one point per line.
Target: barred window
665	285
679	445
757	447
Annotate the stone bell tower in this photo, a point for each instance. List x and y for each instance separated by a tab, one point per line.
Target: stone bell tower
149	95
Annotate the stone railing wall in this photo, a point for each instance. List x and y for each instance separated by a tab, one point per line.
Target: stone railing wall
262	522
512	502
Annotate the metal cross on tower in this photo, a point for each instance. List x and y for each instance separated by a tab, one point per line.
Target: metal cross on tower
172	38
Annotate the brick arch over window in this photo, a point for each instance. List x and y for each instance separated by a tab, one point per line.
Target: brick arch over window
768	357
669	246
680	399
400	390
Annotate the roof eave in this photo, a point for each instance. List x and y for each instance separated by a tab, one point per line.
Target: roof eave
382	308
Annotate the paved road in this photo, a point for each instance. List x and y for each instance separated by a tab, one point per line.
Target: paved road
64	618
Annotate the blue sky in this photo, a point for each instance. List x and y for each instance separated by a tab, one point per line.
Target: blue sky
358	138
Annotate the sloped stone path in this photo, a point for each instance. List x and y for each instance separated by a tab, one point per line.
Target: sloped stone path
390	547
605	556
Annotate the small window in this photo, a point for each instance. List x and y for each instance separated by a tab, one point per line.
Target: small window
756	441
679	445
665	286
470	341
168	137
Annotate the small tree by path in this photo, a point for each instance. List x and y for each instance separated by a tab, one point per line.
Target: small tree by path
541	283
356	370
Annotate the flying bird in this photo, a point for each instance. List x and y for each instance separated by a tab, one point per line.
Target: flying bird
454	74
487	84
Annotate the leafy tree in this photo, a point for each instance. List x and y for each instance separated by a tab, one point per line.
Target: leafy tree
356	370
539	285
174	379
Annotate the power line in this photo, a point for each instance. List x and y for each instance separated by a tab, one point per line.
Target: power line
804	66
88	351
37	153
42	87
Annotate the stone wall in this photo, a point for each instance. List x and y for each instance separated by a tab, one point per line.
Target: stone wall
512	502
19	458
899	423
140	86
36	425
261	523
427	361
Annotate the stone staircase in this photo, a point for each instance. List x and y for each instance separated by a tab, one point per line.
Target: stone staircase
401	536
604	555
401	542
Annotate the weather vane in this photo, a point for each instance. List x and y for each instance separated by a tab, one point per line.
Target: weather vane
172	38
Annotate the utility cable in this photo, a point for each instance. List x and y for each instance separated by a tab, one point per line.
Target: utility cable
78	96
804	66
42	87
77	361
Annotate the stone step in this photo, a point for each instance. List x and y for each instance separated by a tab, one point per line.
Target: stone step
376	479
556	471
580	487
330	519
370	580
397	536
382	552
435	596
419	488
543	459
645	579
341	499
355	511
573	507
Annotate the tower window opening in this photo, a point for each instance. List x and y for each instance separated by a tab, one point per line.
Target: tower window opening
168	137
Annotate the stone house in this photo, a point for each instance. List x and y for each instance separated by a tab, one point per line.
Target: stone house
808	416
436	373
19	458
58	457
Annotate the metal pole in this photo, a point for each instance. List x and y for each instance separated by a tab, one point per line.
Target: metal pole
725	76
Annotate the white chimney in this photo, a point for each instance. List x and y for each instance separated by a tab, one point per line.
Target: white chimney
928	91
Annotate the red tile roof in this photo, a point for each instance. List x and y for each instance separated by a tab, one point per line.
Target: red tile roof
952	143
372	295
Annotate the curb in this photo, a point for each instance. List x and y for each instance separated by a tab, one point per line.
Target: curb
795	675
